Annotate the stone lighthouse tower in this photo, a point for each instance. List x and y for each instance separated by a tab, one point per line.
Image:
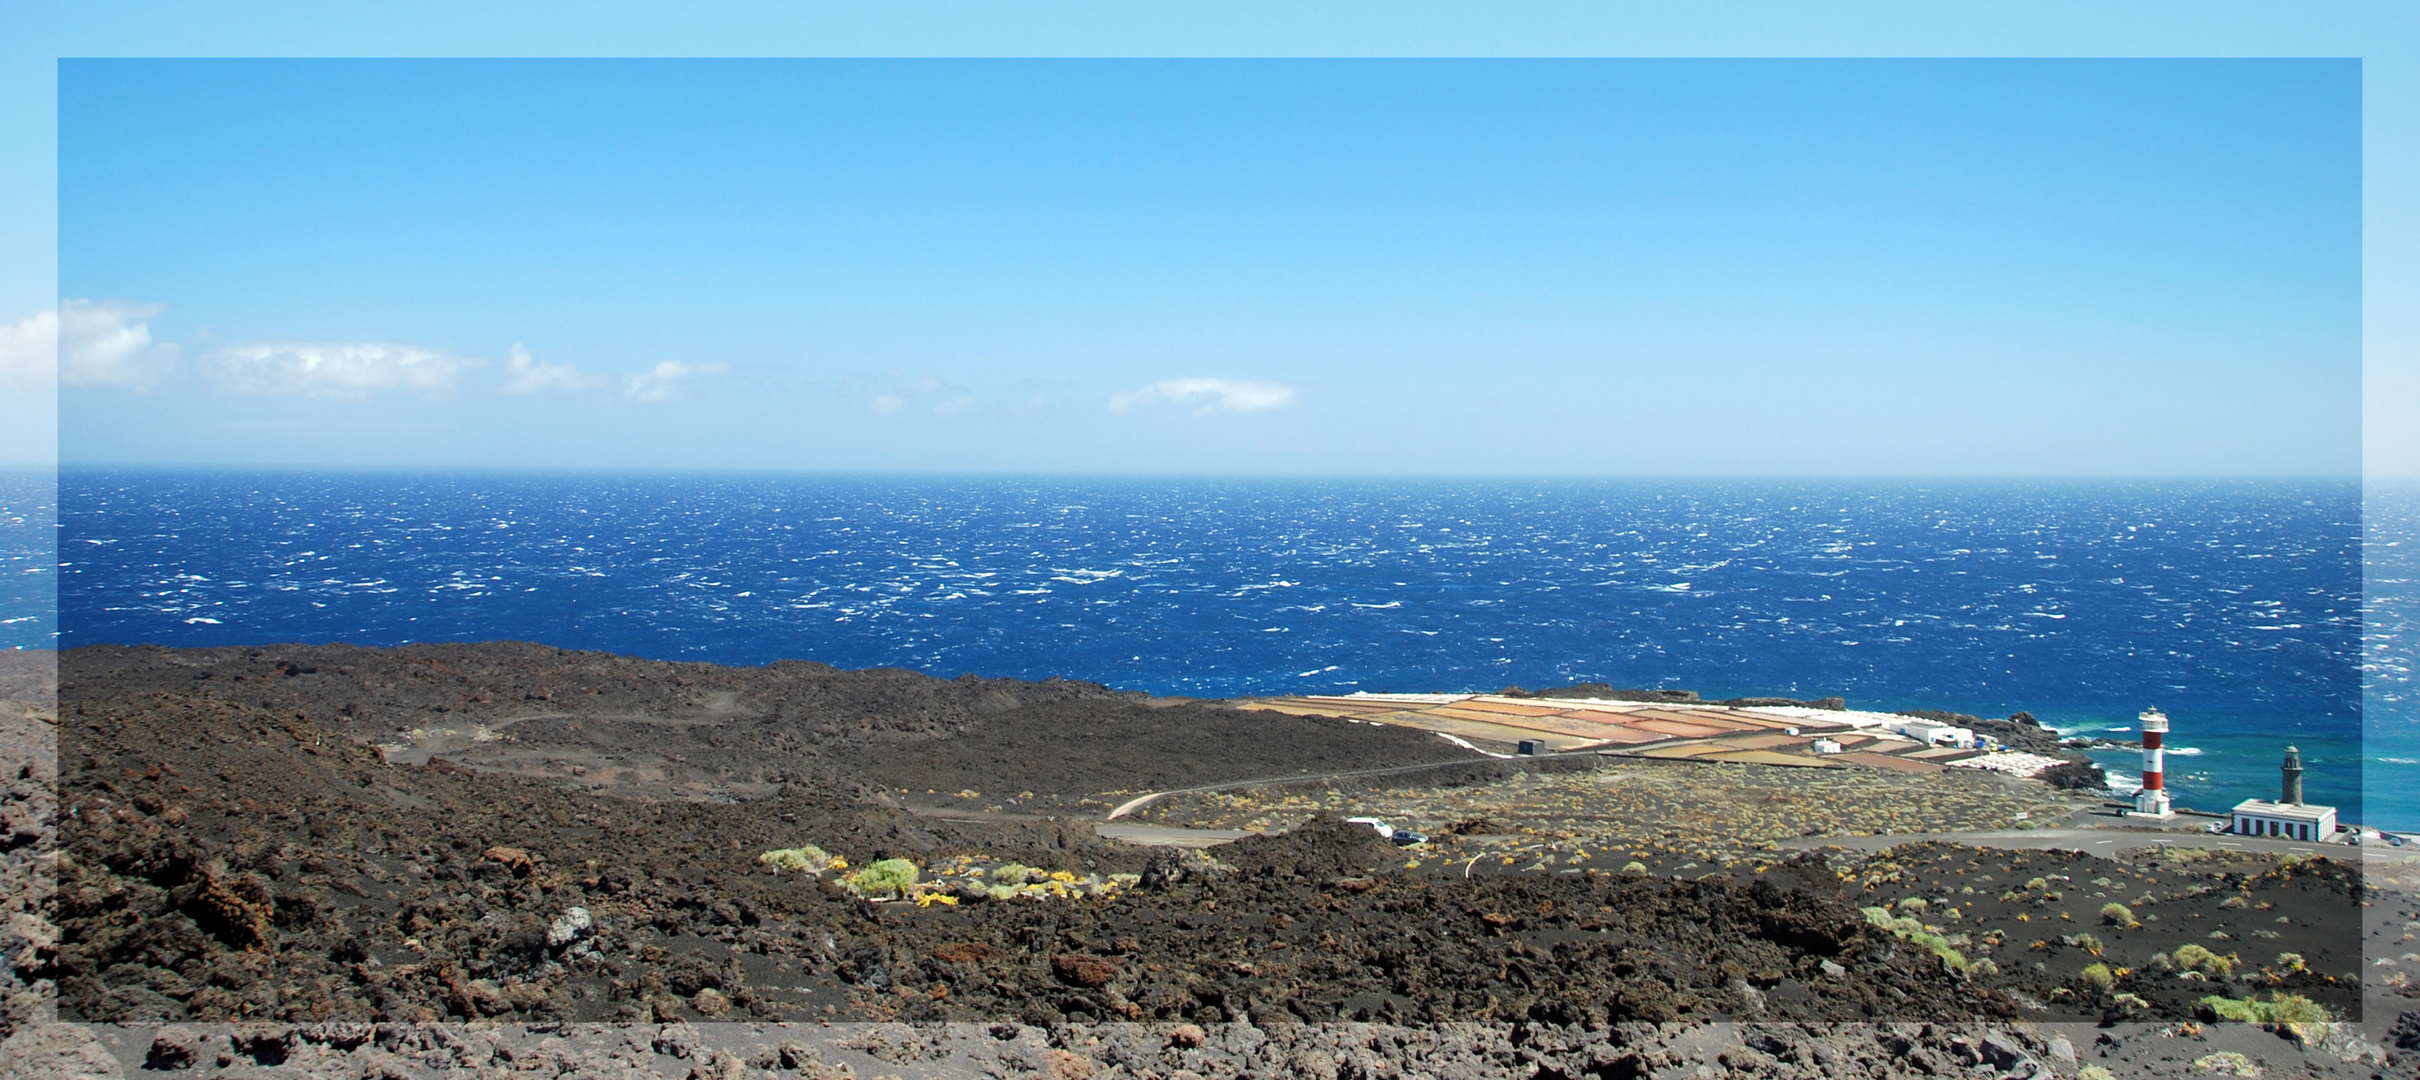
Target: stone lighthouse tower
2152	801
2293	771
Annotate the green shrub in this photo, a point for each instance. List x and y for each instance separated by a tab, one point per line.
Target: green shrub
2227	1061
1916	904
1914	933
1010	874
2118	915
2088	943
2291	961
2279	1009
887	877
805	857
2196	958
2095	1072
2098	977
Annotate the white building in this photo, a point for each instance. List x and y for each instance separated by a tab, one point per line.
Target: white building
2289	821
1936	733
2289	817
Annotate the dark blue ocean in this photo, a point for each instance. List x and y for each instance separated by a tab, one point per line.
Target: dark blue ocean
2391	694
2234	606
29	565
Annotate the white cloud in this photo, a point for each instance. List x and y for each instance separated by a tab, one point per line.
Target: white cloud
355	369
29	351
664	383
1213	395
524	375
108	343
926	393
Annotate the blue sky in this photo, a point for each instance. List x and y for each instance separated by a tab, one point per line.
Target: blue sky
1463	267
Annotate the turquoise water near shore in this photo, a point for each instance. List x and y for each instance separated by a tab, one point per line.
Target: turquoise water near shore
2233	606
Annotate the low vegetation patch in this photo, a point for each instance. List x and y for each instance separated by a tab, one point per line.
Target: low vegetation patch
2196	958
806	858
1916	933
2227	1061
2279	1009
886	878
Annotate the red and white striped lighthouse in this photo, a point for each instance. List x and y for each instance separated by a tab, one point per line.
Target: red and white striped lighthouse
2153	799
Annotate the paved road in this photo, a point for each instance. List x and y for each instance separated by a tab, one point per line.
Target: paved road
1141	801
2096	841
2093	841
1164	836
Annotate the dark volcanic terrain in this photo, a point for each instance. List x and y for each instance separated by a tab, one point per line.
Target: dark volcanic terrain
512	832
229	855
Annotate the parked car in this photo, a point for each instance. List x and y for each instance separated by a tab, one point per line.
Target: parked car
2216	827
1401	837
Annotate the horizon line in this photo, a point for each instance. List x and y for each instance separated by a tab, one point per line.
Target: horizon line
1097	474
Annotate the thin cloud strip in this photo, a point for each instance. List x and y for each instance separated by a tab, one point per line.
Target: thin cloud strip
346	370
667	381
1209	395
525	374
109	343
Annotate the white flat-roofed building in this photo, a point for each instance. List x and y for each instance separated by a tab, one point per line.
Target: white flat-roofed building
2289	821
1936	733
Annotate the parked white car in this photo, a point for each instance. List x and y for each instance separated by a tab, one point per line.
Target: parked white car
1401	837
